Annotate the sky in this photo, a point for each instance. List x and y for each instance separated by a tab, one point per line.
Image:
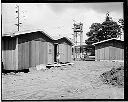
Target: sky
58	18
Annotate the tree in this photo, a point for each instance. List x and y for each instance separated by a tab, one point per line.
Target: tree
106	30
94	33
121	21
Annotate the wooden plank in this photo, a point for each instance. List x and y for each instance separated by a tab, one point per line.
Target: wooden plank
14	56
30	54
48	57
98	50
33	54
53	52
41	53
3	51
16	53
50	52
66	45
27	48
112	53
6	54
122	54
107	53
64	54
37	52
9	56
19	55
46	53
23	59
26	53
103	54
5	44
34	57
61	52
117	53
96	54
68	54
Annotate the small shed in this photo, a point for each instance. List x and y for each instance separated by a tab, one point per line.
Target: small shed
64	47
23	50
111	49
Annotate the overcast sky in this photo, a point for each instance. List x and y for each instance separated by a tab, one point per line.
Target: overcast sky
57	18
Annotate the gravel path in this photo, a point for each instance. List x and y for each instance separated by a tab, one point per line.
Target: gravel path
80	81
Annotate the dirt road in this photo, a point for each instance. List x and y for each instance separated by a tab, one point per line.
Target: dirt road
80	81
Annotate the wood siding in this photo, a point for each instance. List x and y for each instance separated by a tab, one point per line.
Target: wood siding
27	50
65	52
106	53
112	50
50	53
9	53
34	50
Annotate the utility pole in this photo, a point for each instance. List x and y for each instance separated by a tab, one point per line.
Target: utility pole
18	18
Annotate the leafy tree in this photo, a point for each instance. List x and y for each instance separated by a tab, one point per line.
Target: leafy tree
106	30
121	21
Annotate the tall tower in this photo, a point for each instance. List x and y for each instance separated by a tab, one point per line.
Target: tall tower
78	31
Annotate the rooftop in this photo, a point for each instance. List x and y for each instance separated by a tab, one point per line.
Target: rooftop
107	40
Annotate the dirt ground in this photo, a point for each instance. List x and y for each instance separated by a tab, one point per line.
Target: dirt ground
80	81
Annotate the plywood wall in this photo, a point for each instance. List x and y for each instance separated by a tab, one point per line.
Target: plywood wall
34	53
9	53
107	51
23	55
50	53
65	52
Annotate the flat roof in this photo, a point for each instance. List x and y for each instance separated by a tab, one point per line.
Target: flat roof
107	40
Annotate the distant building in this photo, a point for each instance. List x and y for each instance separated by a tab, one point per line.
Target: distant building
81	51
64	47
111	49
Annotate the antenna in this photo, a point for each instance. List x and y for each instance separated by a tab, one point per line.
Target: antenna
18	18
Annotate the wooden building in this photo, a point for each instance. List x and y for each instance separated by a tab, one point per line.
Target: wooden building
111	49
23	50
64	47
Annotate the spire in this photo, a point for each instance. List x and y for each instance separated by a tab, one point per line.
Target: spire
107	16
